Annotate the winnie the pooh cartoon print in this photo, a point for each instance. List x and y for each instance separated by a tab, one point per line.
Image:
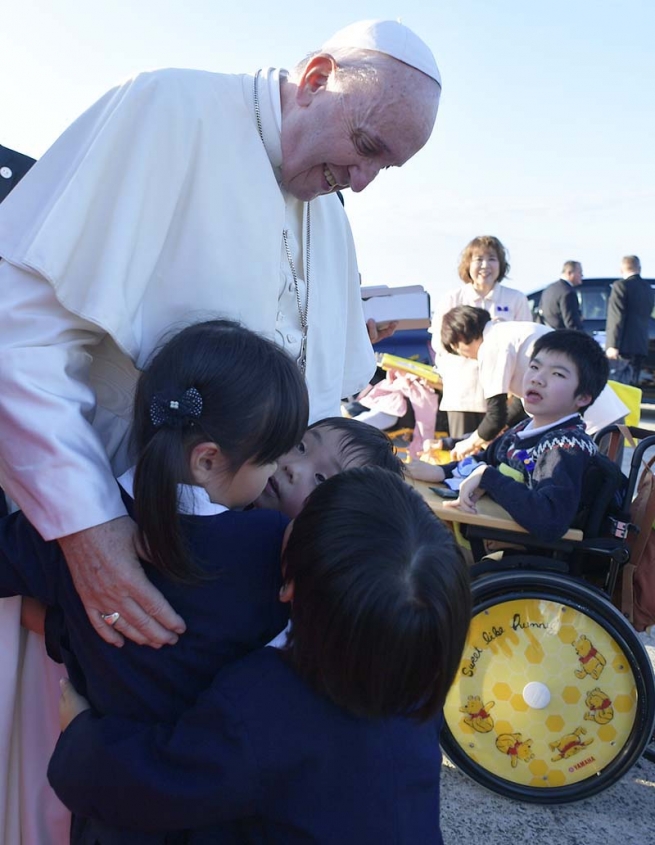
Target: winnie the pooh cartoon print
569	745
599	707
591	661
477	714
515	747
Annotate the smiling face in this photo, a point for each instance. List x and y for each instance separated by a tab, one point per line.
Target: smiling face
316	458
484	269
339	130
549	388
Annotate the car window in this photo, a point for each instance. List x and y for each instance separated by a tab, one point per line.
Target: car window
593	303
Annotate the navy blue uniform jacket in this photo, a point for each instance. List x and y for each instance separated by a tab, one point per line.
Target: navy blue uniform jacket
261	746
228	614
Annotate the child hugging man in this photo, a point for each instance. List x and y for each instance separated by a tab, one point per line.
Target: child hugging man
535	470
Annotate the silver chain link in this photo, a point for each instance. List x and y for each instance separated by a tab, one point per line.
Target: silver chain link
302	311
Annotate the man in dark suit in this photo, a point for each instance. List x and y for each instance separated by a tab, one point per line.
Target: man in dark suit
628	312
13	166
559	306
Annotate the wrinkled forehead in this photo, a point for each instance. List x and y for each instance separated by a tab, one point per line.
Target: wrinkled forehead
397	102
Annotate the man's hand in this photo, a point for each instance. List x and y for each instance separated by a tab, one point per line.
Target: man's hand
423	471
612	353
109	579
470	446
71	704
380	332
469	492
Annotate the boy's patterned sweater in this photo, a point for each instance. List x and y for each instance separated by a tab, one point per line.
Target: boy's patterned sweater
551	461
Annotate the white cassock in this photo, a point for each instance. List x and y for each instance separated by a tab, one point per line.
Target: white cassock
159	206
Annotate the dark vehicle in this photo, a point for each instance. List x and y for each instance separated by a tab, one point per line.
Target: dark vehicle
593	295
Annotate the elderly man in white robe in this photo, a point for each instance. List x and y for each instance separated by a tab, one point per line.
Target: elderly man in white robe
180	195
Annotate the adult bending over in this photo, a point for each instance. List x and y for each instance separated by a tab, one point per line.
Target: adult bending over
184	194
219	175
503	352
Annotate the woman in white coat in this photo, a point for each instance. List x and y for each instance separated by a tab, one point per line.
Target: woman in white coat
483	265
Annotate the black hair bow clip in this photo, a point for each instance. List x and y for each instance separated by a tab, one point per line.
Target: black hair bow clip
176	412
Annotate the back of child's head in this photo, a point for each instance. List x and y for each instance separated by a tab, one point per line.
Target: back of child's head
584	353
481	244
381	601
462	324
217	382
362	445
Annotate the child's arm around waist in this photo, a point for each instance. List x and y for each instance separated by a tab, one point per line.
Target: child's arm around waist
199	772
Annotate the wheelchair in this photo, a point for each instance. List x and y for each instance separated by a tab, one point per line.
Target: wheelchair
554	699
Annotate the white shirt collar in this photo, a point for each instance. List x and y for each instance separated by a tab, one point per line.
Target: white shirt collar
270	112
531	431
190	499
491	297
282	638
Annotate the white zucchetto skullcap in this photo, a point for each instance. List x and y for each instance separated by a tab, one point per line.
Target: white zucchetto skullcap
389	37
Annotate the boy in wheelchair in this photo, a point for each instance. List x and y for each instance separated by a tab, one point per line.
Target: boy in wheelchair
536	469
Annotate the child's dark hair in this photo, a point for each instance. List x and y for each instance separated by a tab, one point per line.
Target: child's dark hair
381	602
584	352
363	443
214	381
462	324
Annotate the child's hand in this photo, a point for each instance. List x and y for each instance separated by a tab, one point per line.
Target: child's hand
470	446
469	492
423	471
71	704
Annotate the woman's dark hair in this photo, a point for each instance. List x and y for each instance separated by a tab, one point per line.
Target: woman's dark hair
586	355
483	242
253	405
363	443
381	601
462	324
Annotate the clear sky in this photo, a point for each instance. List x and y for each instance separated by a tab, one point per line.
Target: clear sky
545	135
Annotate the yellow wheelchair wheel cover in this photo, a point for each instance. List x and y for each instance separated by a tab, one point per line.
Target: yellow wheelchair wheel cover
545	695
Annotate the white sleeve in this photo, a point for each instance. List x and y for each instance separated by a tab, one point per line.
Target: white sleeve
496	367
522	310
52	463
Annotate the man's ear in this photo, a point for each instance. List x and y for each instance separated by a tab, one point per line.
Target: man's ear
314	77
204	461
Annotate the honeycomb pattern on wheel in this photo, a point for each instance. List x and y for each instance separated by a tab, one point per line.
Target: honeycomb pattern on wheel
577	713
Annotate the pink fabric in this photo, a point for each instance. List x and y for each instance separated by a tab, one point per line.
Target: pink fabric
30	813
391	396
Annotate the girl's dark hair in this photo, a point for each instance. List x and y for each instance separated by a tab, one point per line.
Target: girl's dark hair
381	601
363	443
254	407
462	324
